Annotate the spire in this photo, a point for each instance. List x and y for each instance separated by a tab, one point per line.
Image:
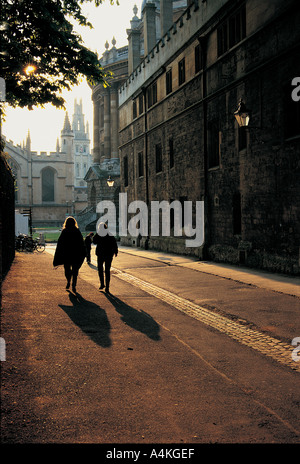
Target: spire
57	146
28	143
67	125
67	136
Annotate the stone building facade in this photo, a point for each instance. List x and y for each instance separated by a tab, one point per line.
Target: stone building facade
106	162
179	138
52	184
120	62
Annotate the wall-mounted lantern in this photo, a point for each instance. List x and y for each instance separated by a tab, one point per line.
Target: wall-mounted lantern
110	182
242	114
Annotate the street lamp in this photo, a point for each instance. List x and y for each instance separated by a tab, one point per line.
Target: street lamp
110	182
29	69
242	114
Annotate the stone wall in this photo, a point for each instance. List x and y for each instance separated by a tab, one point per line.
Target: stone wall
7	218
251	189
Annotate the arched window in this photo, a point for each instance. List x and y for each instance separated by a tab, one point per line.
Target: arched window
47	185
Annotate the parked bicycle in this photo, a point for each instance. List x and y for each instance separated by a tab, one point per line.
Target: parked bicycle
20	242
26	243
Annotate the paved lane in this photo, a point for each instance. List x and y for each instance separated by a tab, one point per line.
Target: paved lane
129	368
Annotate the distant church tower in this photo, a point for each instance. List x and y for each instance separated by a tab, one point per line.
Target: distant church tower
82	155
67	137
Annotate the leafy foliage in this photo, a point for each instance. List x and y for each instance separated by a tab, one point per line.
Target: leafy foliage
39	33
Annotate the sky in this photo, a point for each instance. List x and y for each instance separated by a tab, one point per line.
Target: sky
45	124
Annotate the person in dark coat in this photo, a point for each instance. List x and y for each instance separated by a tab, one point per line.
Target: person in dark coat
88	245
106	248
70	251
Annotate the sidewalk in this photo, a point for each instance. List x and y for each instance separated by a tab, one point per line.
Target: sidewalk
279	283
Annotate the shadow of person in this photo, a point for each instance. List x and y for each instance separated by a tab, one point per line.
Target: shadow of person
90	318
135	318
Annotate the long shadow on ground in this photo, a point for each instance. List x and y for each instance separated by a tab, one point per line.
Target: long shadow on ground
135	318
90	318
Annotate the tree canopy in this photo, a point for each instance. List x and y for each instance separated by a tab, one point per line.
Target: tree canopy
41	54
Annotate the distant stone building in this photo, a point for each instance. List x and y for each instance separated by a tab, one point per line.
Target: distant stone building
52	184
179	138
82	157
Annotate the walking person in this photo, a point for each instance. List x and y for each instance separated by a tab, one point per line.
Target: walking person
106	248
88	246
70	251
